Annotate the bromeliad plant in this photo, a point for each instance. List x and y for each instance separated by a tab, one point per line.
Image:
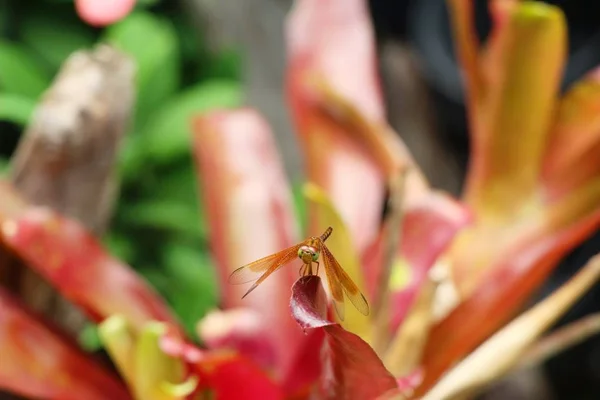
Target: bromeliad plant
532	194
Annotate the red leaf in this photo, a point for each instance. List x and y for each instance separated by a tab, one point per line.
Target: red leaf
503	290
37	361
351	369
74	262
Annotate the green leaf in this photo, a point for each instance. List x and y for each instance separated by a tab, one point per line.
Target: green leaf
152	366
119	246
146	3
16	108
40	33
4	166
19	72
157	278
167	135
89	339
152	42
226	64
193	290
165	215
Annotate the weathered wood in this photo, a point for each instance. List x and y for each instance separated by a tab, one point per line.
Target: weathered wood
66	158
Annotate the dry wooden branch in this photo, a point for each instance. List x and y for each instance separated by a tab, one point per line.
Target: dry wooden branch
66	158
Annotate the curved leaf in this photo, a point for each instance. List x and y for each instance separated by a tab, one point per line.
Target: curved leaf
517	113
503	290
74	262
250	215
224	375
38	362
351	369
317	40
19	72
502	352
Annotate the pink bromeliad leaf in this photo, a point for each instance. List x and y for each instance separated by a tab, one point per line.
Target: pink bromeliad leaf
323	39
37	361
249	210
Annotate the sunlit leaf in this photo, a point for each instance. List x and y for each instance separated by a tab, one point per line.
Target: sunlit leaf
341	246
153	368
519	105
119	341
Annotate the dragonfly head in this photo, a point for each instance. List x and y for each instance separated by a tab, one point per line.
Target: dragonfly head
308	254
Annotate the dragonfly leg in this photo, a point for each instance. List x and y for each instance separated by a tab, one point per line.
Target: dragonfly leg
317	273
302	268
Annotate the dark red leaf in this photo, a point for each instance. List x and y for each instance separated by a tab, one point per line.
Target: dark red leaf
350	369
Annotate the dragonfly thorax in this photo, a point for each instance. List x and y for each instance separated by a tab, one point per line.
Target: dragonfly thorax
308	254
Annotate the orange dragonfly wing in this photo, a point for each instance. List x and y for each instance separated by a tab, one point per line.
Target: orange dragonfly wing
339	279
260	270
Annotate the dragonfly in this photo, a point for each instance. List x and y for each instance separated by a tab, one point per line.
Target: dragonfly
308	251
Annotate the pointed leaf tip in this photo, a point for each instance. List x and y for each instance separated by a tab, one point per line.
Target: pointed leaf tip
354	370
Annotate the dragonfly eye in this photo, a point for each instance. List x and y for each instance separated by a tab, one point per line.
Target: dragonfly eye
300	252
315	256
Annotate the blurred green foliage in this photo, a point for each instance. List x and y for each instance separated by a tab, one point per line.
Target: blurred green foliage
158	226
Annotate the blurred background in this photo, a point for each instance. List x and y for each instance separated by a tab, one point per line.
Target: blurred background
194	55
